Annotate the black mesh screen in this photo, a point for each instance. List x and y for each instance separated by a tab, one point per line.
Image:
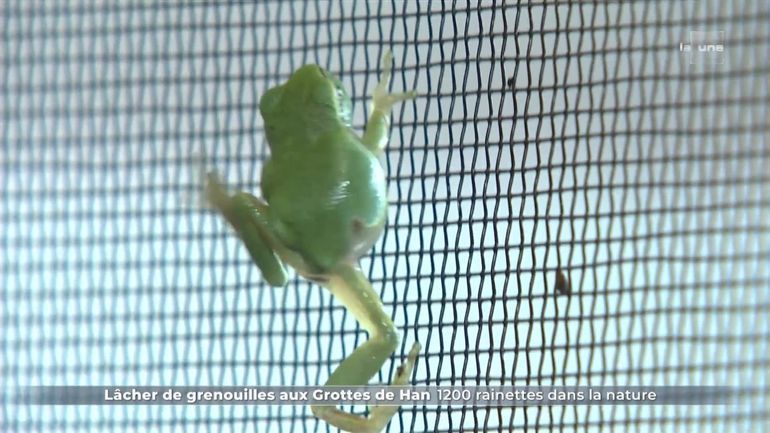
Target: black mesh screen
575	200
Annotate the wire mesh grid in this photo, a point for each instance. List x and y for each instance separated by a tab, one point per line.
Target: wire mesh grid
569	142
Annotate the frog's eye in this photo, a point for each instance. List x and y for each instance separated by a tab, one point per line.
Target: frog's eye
343	102
339	91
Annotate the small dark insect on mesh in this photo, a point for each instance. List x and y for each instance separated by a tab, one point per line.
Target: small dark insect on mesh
575	200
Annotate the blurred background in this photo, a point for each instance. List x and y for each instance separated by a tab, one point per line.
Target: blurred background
581	140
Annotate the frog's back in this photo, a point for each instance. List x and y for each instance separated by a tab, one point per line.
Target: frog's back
328	197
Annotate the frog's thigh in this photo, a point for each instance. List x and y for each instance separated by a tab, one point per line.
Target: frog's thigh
258	238
250	222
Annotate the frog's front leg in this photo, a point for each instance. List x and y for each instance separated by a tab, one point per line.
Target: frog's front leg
378	127
249	216
351	287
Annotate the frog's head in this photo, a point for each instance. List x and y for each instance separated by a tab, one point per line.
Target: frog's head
311	98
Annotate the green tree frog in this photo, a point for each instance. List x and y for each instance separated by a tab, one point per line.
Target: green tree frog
325	205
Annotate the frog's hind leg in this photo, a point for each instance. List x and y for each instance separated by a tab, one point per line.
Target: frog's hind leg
349	285
251	223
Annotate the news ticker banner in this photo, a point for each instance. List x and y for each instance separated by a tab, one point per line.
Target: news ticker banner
495	396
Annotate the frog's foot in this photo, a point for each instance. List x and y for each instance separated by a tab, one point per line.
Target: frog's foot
382	101
404	371
215	194
379	416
